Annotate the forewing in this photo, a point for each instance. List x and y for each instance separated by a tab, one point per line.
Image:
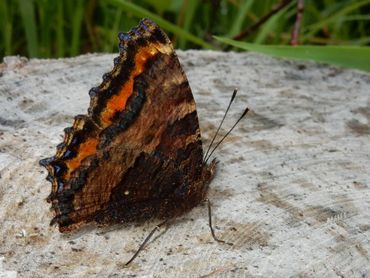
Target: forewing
142	122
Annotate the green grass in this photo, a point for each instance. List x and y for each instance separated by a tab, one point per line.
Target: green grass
165	24
27	12
344	56
47	28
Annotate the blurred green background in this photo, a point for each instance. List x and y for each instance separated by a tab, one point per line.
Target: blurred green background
64	28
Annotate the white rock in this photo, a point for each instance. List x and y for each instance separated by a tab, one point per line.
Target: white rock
292	188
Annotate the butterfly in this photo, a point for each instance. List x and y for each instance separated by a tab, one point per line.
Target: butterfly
138	152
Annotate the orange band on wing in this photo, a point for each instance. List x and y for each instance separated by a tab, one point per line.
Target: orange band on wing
115	104
86	149
118	102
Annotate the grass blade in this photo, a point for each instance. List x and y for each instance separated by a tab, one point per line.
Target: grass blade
27	11
238	22
60	49
6	27
141	12
314	28
272	25
76	27
189	9
345	56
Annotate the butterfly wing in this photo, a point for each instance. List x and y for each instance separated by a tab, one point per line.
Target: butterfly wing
138	153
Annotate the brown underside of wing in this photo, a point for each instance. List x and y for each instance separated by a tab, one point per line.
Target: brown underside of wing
138	154
125	162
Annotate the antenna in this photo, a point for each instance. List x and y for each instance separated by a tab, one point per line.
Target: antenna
222	121
223	138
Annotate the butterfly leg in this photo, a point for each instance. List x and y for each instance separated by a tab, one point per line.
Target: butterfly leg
210	224
156	228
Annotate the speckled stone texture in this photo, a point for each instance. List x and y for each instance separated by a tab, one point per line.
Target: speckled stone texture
292	189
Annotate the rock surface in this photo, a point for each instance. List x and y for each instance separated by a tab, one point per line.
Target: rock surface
292	190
